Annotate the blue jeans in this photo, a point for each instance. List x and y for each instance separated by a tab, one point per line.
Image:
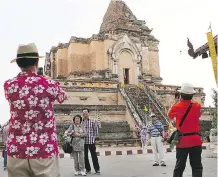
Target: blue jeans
5	158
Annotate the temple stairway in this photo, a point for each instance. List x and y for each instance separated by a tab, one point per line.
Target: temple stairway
139	97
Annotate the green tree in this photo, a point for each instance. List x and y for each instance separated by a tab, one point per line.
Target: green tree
61	136
214	96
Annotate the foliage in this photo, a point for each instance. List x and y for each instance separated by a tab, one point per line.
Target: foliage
61	136
140	77
214	96
40	71
205	127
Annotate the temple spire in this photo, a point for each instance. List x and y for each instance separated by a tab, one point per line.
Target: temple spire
118	15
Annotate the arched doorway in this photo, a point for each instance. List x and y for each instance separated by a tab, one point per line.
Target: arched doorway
126	68
125	60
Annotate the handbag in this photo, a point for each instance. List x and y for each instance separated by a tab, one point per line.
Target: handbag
67	146
176	135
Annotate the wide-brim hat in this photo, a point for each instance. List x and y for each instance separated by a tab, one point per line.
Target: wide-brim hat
27	51
152	115
187	89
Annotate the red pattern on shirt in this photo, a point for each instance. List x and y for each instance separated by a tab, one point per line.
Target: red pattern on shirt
32	129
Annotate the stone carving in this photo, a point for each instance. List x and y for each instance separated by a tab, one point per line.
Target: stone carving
90	89
102	98
212	147
124	43
69	107
83	98
153	46
47	64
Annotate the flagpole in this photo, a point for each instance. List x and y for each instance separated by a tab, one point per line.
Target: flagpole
210	27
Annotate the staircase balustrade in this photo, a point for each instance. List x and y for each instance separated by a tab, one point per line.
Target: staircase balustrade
137	101
153	97
131	107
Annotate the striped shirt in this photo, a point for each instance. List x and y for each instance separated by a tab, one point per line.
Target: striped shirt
155	129
5	134
91	128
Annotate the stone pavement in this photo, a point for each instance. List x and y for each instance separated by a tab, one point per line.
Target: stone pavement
135	166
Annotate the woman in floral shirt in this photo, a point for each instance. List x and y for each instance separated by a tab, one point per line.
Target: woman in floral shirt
77	131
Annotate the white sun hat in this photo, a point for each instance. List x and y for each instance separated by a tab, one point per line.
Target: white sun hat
27	51
152	115
187	89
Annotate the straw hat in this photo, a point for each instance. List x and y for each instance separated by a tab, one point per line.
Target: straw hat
187	89
27	51
152	115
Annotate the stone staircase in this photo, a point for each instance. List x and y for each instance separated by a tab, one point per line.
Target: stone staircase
144	96
157	107
115	130
139	100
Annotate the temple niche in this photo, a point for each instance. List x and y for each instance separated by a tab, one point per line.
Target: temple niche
93	70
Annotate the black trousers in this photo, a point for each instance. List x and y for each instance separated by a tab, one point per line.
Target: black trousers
195	161
92	149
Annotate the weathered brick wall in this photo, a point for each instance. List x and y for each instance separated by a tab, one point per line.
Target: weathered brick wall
82	62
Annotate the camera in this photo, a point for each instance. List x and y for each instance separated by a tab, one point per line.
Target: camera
177	95
40	71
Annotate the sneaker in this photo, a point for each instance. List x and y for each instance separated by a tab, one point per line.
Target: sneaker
83	173
163	164
97	173
88	172
156	164
77	173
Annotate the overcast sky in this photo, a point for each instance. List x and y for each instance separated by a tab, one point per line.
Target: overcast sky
48	22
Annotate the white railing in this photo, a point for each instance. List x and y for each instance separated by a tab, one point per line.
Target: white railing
152	96
131	106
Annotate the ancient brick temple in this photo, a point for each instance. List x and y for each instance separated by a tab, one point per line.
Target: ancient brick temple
115	73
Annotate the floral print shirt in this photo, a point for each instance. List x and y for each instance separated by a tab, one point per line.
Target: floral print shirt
32	129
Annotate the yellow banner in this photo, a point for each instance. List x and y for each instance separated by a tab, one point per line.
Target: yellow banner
212	53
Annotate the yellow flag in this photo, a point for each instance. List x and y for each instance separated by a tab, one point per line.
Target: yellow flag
90	85
145	109
213	54
140	86
122	85
99	84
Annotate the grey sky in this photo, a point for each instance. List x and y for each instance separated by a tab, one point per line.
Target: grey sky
48	22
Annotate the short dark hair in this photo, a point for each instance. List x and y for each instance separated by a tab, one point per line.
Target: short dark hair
26	62
186	96
177	94
85	109
80	117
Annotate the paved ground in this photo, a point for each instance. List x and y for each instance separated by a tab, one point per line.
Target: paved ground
134	166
